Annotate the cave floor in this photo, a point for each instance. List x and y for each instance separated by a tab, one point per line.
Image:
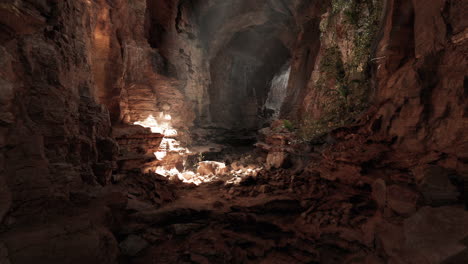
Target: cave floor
273	218
353	201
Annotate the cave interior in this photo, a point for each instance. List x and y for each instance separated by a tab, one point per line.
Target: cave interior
233	131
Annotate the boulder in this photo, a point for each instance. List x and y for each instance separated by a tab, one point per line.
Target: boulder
236	166
435	185
276	160
401	200
436	234
132	245
187	175
211	168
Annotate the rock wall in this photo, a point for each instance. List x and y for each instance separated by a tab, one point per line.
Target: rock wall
172	31
54	136
404	60
69	70
421	84
62	60
397	119
330	80
51	123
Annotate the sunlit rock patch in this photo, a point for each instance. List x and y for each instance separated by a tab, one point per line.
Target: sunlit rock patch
211	171
171	158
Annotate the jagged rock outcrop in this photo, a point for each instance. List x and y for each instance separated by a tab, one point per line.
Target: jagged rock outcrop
394	57
420	97
60	60
137	147
52	125
53	134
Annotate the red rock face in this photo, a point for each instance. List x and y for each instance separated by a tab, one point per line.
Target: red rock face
54	135
68	70
418	82
421	94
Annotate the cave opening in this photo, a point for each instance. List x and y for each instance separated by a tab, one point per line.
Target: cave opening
242	77
247	46
229	63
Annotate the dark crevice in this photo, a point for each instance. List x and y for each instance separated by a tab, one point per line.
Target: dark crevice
178	19
401	47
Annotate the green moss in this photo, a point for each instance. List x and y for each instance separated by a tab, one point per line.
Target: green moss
363	18
366	28
344	87
343	99
331	65
340	5
311	129
332	68
323	25
288	125
353	13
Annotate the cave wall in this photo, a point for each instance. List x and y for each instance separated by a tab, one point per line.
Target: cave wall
70	70
402	61
54	136
304	54
421	80
62	59
172	29
330	77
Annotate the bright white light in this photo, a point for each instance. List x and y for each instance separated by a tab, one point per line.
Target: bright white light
277	93
160	155
150	122
191	177
162	125
170	132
